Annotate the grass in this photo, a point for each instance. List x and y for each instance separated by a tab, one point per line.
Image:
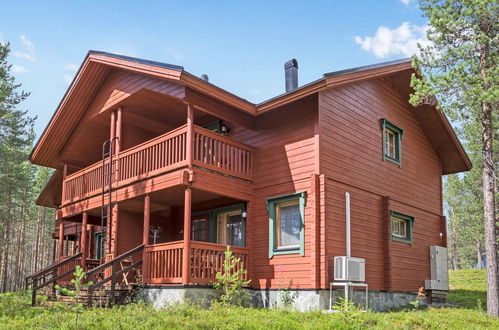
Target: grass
468	288
16	313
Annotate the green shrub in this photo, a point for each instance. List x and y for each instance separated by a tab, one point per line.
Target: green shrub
231	281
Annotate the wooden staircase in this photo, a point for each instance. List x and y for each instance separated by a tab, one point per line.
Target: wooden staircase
123	294
105	290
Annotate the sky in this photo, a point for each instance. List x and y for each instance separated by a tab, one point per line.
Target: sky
241	45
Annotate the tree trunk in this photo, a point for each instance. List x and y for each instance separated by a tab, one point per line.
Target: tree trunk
5	268
488	177
454	253
478	256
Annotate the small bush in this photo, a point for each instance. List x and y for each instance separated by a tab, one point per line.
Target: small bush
231	281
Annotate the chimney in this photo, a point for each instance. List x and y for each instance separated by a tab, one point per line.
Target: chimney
291	73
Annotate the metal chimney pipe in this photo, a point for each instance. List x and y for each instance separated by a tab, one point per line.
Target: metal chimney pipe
291	75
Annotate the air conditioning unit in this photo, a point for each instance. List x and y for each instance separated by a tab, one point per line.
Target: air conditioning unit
349	269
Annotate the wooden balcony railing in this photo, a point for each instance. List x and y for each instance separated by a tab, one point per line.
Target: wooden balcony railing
163	262
219	153
162	154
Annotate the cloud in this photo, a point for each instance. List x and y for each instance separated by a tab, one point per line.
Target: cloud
30	53
70	67
402	40
18	69
68	78
405	2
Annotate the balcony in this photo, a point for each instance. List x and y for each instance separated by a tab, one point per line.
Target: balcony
165	153
163	262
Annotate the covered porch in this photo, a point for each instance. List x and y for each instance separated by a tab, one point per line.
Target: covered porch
184	232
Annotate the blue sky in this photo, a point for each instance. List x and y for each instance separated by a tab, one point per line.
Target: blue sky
241	45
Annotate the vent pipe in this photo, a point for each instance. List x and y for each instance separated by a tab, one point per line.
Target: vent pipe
291	75
347	212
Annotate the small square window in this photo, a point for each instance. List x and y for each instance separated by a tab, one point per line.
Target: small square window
392	142
401	227
286	223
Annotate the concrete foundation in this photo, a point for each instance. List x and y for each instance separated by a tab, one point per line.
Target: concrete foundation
301	300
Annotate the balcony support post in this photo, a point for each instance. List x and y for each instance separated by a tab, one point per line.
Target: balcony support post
186	260
112	129
83	247
118	130
64	175
61	238
190	136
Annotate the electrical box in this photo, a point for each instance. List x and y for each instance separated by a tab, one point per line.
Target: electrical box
349	269
439	269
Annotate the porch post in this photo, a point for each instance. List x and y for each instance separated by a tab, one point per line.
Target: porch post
145	235
61	238
83	235
54	248
66	239
90	241
187	237
147	220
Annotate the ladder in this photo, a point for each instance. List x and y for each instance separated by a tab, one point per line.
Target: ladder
105	210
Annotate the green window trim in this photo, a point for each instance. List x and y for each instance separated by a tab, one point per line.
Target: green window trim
409	226
271	208
399	133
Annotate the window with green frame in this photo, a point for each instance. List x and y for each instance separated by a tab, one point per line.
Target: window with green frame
401	227
286	224
392	142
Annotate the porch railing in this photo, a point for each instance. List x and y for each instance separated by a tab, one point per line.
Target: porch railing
162	154
163	262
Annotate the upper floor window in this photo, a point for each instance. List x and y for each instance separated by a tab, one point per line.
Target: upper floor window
286	223
392	142
401	227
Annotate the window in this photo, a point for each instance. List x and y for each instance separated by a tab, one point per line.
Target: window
286	223
200	228
392	142
401	227
99	250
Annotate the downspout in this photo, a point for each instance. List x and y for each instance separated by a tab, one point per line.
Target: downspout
347	212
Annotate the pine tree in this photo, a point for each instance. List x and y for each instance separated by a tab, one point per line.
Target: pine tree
460	69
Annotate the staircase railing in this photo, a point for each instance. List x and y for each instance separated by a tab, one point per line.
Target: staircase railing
44	273
99	271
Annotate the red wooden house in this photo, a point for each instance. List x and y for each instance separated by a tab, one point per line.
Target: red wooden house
137	144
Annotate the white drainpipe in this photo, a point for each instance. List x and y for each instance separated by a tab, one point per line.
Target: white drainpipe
347	211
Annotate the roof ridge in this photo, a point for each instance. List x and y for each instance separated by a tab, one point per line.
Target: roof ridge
138	60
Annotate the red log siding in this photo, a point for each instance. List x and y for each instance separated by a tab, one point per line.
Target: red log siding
410	265
352	160
130	228
283	164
